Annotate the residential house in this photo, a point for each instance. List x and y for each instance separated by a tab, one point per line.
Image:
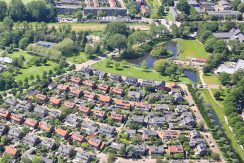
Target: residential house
11	102
84	109
138	119
55	113
116	90
156	122
173	11
31	140
66	150
69	104
108	10
63	87
89	83
12	151
76	92
142	106
196	141
117	117
17	118
100	74
93	141
78	137
83	156
41	98
75	80
87	72
89	95
4	113
103	87
3	129
233	34
194	134
48	143
168	134
202	149
99	113
131	133
162	107
41	110
6	60
62	133
55	101
104	99
156	150
46	127
149	133
134	95
117	146
31	122
122	104
181	108
187	120
140	150
177	97
107	130
24	106
15	133
72	120
89	127
131	81
173	149
147	83
159	85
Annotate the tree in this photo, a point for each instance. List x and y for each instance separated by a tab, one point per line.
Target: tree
215	156
8	23
4	140
23	43
235	4
36	159
111	158
138	37
241	7
224	78
116	28
183	6
3	9
17	10
144	64
160	52
40	11
160	11
118	41
159	31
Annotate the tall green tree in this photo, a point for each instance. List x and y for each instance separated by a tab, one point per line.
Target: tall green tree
183	6
3	9
116	28
17	10
118	41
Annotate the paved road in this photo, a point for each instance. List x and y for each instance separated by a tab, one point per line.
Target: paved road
208	137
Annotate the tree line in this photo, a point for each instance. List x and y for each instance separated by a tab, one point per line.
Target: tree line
39	11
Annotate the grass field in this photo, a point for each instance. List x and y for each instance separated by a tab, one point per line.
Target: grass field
220	113
191	48
221	98
76	59
211	79
27	69
137	72
98	26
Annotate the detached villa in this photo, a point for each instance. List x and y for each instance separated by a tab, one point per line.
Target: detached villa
233	34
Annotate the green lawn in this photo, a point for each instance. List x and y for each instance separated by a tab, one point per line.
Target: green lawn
134	71
76	59
211	79
27	69
221	98
220	113
98	26
191	48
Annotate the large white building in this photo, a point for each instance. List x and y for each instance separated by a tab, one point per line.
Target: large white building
230	67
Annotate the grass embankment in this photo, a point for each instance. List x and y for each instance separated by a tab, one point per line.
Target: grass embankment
98	26
211	79
221	114
191	48
131	70
28	69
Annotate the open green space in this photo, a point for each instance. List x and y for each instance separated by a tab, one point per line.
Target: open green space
221	98
221	114
98	26
24	1
77	59
191	48
131	70
211	79
28	69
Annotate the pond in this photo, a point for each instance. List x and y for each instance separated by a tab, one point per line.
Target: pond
171	46
191	75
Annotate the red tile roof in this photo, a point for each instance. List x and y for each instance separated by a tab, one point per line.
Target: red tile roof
62	132
76	91
103	87
175	149
99	113
11	151
75	79
116	116
201	60
92	140
89	83
168	134
78	137
69	104
4	113
31	122
17	118
63	87
46	127
123	104
105	99
41	97
116	90
55	101
89	95
84	109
